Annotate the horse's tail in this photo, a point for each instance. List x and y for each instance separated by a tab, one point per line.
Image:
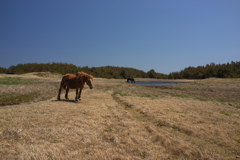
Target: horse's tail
63	84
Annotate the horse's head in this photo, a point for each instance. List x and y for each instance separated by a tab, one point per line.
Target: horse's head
90	83
84	77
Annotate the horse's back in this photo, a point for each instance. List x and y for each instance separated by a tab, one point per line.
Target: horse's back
70	80
69	76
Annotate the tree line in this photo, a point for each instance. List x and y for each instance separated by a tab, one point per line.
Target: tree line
101	72
229	70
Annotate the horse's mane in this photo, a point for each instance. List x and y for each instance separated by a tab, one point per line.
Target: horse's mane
83	77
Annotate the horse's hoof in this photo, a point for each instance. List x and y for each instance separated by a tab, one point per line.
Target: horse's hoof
66	98
76	100
79	98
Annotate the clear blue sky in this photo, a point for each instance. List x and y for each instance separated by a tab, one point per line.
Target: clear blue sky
164	35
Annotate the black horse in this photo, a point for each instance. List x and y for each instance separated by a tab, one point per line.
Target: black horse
130	79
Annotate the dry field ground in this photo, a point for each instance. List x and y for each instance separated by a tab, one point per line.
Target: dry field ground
199	119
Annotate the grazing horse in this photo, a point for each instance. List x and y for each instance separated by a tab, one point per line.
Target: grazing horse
75	81
130	79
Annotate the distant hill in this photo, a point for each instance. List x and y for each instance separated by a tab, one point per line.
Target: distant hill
101	72
229	70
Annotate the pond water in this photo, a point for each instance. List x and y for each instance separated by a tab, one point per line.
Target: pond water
155	83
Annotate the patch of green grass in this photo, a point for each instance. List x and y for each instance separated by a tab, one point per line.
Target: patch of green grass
225	113
220	100
199	122
198	84
181	96
237	106
112	139
237	140
119	85
44	99
155	95
122	94
201	99
15	81
235	123
145	96
229	104
16	99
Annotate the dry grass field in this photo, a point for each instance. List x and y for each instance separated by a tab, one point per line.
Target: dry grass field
115	120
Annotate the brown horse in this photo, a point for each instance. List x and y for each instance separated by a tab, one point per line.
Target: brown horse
75	81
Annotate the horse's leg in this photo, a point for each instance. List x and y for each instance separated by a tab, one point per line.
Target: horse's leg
79	94
59	92
66	95
76	98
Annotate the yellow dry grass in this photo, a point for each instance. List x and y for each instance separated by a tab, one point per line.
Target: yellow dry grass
117	120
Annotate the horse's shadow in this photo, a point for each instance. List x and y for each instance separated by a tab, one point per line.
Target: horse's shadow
66	100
